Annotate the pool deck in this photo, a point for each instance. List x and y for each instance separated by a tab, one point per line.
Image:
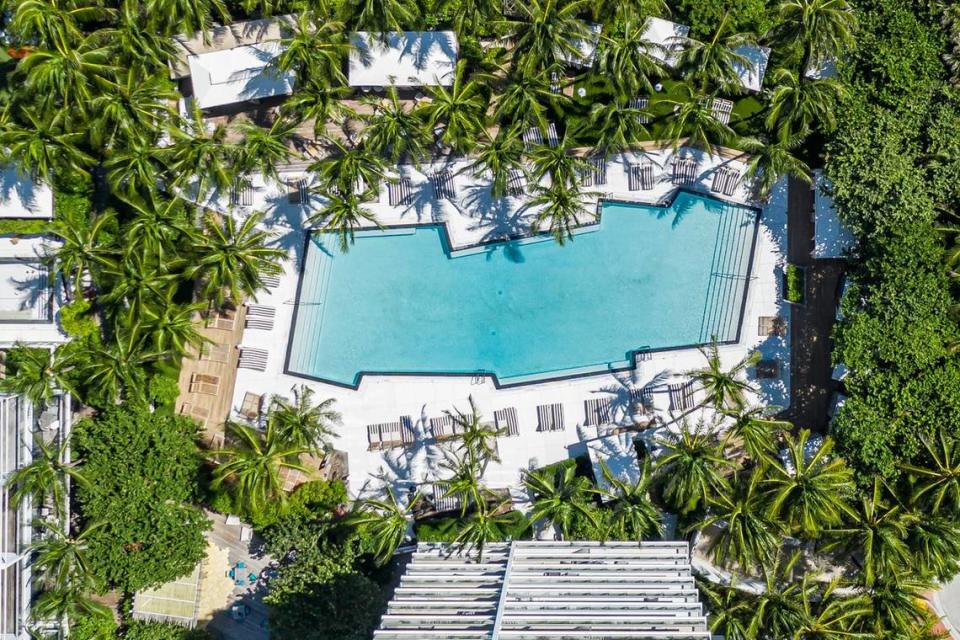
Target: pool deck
380	399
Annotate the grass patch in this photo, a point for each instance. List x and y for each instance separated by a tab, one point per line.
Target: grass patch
18	227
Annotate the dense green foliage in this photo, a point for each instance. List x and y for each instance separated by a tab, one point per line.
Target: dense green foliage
142	469
137	630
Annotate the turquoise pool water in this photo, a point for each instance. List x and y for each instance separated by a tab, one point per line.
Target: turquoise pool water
644	278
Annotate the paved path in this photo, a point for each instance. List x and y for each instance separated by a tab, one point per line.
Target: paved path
811	323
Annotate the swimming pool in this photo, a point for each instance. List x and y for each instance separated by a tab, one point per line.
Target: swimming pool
644	278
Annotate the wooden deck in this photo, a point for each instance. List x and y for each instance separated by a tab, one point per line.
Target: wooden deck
211	404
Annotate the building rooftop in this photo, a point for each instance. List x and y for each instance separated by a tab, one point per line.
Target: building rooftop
28	304
238	75
528	590
227	37
668	36
751	75
22	197
587	47
403	59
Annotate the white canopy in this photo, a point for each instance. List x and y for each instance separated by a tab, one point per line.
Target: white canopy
668	36
751	74
22	197
403	59
238	75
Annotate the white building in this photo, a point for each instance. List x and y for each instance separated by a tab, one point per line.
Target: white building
22	197
540	590
234	64
668	39
29	302
587	47
403	59
751	74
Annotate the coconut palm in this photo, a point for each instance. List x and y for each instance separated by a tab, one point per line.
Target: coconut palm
691	468
44	479
876	532
233	259
185	16
463	471
755	431
482	526
316	102
53	23
43	145
546	34
253	462
171	327
156	228
198	155
821	29
264	149
134	41
769	162
939	477
799	105
349	168
36	373
560	497
616	125
385	521
559	161
113	369
561	207
715	62
380	16
694	123
477	438
725	388
393	130
812	492
747	535
473	16
634	516
628	59
136	284
522	103
315	50
457	112
71	603
83	248
135	168
827	615
66	77
497	159
343	214
302	423
59	560
129	108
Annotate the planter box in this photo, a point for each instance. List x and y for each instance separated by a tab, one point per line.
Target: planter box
794	284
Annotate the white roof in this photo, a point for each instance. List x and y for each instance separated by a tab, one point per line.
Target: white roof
840	372
21	197
832	239
28	305
587	47
751	75
666	34
238	75
404	59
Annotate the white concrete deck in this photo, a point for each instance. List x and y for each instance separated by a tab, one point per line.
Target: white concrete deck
29	299
21	197
476	217
832	239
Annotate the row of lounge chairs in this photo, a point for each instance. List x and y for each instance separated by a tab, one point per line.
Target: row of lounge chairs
260	316
391	434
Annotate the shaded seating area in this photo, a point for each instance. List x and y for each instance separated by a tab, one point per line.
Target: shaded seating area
252	358
684	171
721	109
400	192
443	187
725	181
505	421
595	174
641	103
516	183
204	383
535	136
681	396
640	176
550	417
596	411
388	435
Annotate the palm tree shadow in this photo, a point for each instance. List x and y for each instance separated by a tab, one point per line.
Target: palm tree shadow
624	391
498	219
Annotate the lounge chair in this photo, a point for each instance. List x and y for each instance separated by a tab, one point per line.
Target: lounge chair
198	413
297	192
271	281
516	183
205	383
400	193
684	171
640	104
261	310
640	176
256	322
550	417
250	407
595	173
725	181
505	420
225	319
534	136
253	359
555	83
241	194
597	411
443	187
721	109
215	352
681	396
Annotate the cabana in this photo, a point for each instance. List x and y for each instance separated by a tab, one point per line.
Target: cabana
668	38
403	59
586	47
23	197
751	74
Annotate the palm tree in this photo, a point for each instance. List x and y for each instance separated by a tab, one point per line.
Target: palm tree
482	526
135	169
776	608
471	17
748	536
82	249
458	112
898	606
822	29
265	149
349	168
315	50
314	101
934	544
616	125
730	610
496	160
715	61
877	533
634	514
693	119
477	438
560	497
302	423
252	465
115	368
343	214
134	41
690	469
36	373
44	479
185	16
157	227
43	146
522	103
233	259
939	476
546	35
394	131
725	388
799	105
71	604
559	161
137	284
827	615
624	10
198	154
380	16
768	163
60	562
172	328
562	206
756	431
811	494
385	521
628	59
132	107
65	77
53	23
465	471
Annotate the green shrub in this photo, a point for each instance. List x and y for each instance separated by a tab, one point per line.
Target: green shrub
77	319
23	227
92	628
437	530
72	209
140	630
795	284
314	498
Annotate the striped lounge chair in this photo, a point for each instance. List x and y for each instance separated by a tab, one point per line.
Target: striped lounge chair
550	417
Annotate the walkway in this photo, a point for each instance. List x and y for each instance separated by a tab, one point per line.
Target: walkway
811	325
